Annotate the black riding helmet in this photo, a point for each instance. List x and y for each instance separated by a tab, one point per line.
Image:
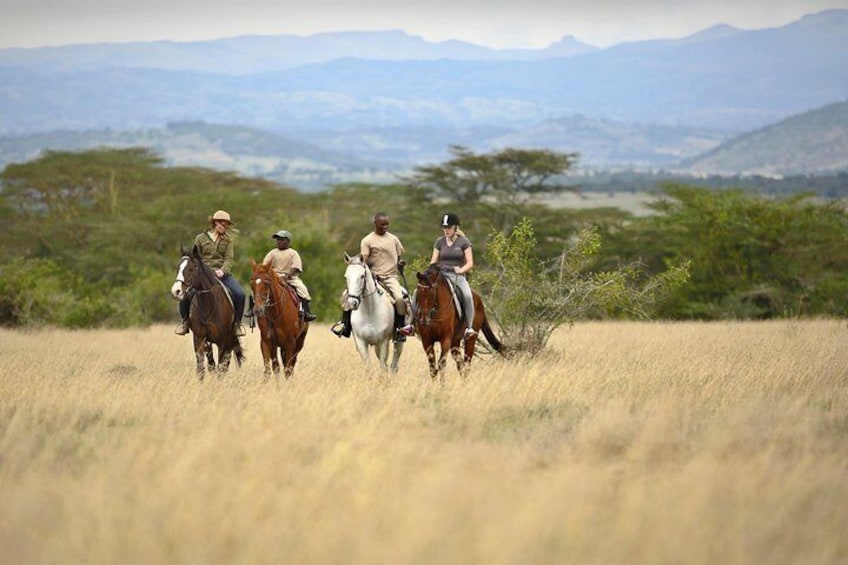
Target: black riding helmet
449	219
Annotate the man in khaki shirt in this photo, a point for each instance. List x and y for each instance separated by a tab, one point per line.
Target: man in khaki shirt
286	262
382	251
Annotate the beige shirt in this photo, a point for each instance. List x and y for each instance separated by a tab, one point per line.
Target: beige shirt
381	252
284	261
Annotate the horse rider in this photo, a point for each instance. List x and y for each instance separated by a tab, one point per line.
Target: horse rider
453	255
286	262
382	251
216	248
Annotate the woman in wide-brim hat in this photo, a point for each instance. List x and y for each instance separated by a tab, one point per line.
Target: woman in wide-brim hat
215	246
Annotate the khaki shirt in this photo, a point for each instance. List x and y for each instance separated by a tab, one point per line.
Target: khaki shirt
284	262
381	252
217	253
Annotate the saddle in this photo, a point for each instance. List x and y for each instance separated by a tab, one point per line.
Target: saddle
457	301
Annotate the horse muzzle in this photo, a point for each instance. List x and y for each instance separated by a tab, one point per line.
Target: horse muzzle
353	302
177	291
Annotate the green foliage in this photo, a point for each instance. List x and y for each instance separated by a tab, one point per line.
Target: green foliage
530	298
92	238
751	257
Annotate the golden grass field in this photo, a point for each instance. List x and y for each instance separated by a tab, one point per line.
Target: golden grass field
713	443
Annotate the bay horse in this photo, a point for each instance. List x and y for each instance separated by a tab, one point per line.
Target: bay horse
280	324
212	316
372	316
438	319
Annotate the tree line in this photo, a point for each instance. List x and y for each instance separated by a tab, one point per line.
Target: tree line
92	238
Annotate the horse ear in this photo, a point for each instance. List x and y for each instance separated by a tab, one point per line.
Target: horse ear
252	263
346	257
421	277
195	252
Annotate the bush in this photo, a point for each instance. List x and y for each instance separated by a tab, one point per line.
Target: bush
529	298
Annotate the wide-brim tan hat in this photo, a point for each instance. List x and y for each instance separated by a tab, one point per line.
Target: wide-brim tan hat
222	215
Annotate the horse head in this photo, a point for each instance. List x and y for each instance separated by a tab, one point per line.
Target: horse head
356	279
427	294
261	285
192	273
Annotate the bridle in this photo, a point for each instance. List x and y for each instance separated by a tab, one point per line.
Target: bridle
363	280
432	289
261	307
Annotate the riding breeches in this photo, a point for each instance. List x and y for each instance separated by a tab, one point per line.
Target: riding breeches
461	283
299	287
399	294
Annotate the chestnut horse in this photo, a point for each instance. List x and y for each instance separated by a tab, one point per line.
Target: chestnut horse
212	316
438	319
280	323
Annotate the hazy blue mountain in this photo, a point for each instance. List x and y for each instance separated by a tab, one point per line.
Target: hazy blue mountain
256	53
814	142
398	98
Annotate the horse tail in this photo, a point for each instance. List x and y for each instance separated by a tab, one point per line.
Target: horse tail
491	337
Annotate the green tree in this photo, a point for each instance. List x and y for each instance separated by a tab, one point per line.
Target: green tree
751	256
507	177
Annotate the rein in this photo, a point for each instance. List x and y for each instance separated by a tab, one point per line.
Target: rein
269	300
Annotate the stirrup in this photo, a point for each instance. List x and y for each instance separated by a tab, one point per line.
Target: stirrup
240	331
340	329
469	332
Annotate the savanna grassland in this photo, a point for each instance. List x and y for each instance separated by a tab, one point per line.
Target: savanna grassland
623	443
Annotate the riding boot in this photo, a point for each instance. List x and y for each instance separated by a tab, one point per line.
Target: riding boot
307	311
400	337
342	328
183	328
250	306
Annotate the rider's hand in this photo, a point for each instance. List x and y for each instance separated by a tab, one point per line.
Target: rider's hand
219	273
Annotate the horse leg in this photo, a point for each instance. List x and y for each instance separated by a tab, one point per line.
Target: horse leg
397	349
470	344
210	356
445	344
430	350
224	360
275	360
456	353
200	348
381	349
266	356
289	357
362	348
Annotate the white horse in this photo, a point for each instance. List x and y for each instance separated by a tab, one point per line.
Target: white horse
372	314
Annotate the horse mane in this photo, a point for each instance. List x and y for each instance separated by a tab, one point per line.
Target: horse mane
207	274
431	275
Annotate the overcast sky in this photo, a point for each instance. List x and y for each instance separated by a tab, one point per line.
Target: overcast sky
494	23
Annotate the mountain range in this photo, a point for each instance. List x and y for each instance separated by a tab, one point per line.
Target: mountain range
367	101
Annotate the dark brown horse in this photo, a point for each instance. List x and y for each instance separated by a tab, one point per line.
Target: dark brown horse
439	320
212	316
280	323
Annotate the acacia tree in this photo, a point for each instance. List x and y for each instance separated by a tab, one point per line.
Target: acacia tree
507	177
530	298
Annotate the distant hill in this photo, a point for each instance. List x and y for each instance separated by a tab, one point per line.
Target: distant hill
249	152
388	99
814	142
261	54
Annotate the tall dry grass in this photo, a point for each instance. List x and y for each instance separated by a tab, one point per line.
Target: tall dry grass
624	443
